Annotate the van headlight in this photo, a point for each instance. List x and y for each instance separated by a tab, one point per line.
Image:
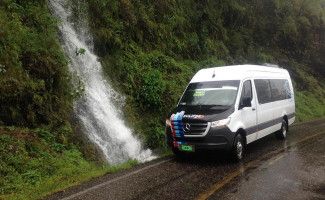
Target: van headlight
222	122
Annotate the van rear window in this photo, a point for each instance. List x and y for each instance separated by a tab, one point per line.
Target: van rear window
214	93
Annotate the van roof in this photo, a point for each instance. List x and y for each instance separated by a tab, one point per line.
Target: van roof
238	72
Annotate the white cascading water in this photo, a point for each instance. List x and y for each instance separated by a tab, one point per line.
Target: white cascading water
97	110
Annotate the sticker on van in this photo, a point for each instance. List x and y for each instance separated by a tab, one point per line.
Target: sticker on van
199	94
194	116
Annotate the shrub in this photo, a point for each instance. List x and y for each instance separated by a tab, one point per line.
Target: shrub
152	89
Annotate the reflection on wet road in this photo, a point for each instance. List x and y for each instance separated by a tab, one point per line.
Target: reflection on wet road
296	173
272	169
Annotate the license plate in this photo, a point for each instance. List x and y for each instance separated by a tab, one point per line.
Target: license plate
187	148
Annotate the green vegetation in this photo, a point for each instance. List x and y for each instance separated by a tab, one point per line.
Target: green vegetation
151	49
39	152
34	80
308	106
33	165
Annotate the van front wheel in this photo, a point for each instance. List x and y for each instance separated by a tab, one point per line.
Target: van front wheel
237	150
282	133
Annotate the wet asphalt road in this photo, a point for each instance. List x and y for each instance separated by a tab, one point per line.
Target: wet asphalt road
272	169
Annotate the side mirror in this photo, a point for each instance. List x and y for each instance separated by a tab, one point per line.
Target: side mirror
246	102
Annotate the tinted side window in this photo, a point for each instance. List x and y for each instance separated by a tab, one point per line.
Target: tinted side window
280	89
247	90
263	90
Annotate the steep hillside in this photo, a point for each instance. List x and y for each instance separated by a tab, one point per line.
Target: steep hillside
151	49
38	147
34	83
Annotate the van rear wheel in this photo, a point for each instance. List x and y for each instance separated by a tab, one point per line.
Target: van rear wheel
237	150
282	133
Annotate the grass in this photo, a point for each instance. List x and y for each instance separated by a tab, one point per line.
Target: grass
309	106
68	174
31	168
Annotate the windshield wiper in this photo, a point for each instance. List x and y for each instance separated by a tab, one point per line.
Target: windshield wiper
206	105
224	106
212	105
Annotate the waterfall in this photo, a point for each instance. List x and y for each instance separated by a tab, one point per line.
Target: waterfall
99	109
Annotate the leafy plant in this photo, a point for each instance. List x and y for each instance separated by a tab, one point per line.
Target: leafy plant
31	177
152	89
80	51
45	134
2	69
78	87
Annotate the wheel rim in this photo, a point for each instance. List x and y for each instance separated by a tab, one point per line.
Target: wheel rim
284	131
239	149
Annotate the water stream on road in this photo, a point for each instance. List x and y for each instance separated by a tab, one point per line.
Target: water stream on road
99	110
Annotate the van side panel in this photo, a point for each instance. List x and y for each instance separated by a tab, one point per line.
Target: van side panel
270	111
265	119
285	108
252	132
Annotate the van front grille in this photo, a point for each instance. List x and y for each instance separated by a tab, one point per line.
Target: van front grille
195	128
188	129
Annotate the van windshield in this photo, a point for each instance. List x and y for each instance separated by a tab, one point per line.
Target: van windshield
212	93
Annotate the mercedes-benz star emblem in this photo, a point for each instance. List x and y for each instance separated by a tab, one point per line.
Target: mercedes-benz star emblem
186	127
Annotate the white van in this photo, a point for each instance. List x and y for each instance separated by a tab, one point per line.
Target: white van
230	107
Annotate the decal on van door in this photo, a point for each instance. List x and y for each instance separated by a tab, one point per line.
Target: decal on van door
177	124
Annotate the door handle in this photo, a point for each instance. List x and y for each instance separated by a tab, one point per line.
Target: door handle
253	109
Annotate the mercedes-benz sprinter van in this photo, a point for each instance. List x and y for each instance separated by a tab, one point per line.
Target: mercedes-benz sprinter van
230	107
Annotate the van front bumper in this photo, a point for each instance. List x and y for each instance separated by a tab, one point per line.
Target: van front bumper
217	138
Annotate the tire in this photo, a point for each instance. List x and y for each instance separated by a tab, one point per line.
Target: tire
237	151
282	133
